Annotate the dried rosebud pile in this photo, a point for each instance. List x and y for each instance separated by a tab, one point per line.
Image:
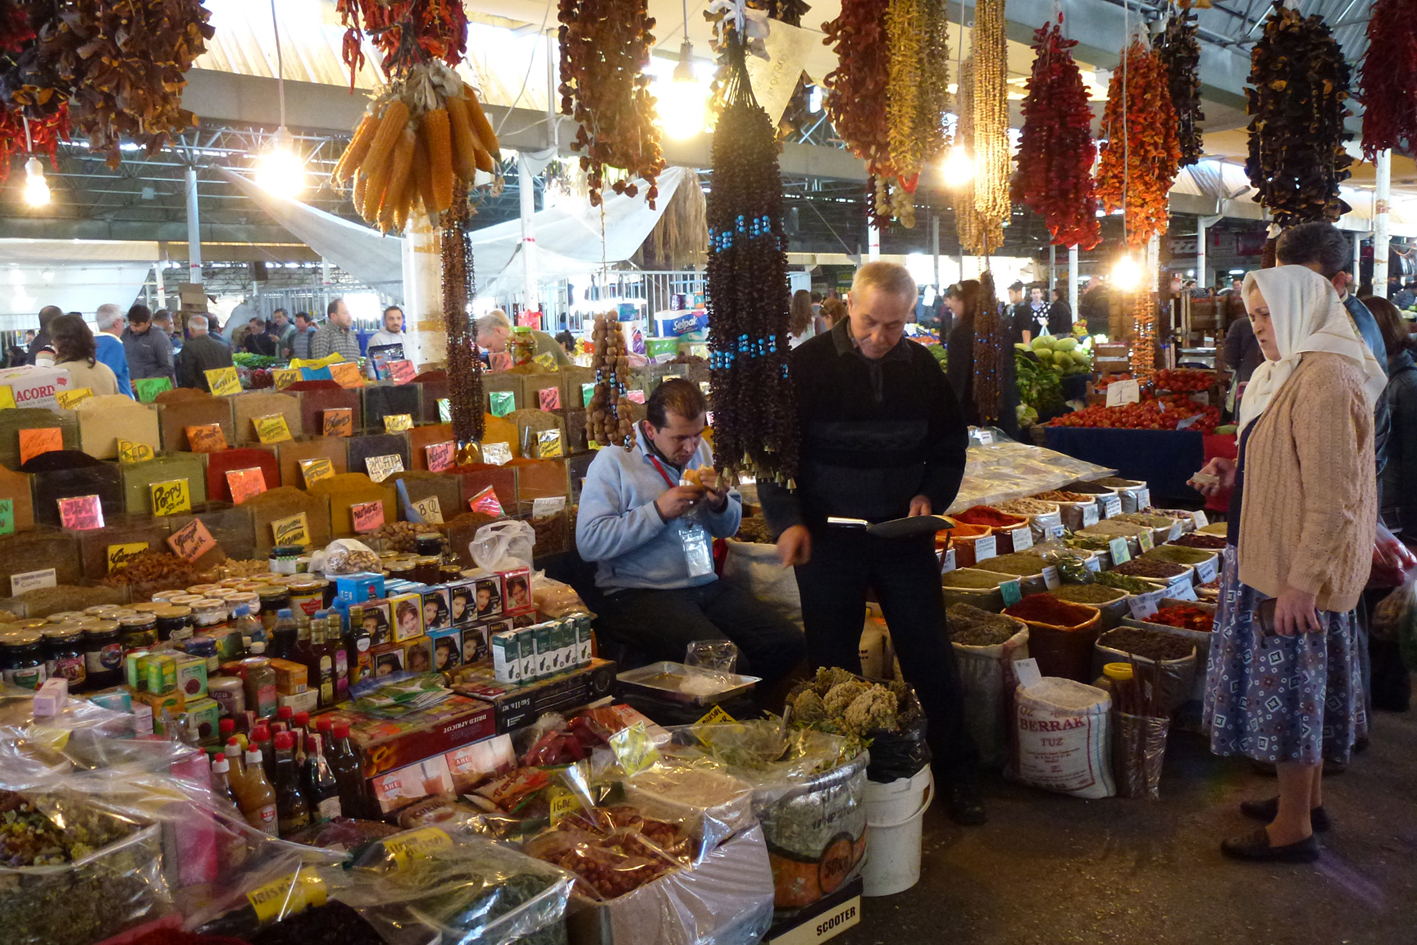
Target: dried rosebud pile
1180	50
605	45
1298	87
1141	155
1389	77
1056	149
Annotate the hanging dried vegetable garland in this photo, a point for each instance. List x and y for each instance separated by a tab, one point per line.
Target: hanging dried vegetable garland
917	94
464	366
1180	51
1297	89
857	92
990	348
605	46
1141	156
989	48
1143	341
406	32
1388	78
605	423
1056	149
977	237
33	120
754	404
786	11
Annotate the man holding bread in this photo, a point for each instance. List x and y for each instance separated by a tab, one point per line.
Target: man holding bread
648	517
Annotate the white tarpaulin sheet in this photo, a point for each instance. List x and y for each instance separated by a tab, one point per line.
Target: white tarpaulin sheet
25	288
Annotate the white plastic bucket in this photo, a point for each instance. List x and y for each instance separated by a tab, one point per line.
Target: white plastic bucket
895	815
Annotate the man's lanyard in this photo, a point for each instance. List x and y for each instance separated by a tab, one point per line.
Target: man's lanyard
660	467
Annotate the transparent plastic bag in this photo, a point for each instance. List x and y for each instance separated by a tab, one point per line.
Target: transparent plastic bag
344	556
714	655
553	598
1138	750
503	546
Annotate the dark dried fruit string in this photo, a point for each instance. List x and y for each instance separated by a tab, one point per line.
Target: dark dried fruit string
1180	51
990	347
1388	78
756	429
459	289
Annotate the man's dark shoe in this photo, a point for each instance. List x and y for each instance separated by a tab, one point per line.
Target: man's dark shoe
1268	810
1256	849
965	804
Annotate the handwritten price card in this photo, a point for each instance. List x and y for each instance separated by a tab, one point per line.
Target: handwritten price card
245	483
338	421
272	429
346	374
291	531
429	510
223	381
120	555
130	452
81	512
398	422
441	456
402	372
191	541
147	388
367	516
284	377
206	438
171	497
316	469
382	467
33	442
69	399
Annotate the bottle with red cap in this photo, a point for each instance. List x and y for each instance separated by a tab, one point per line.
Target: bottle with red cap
255	796
221	777
344	761
283	718
261	740
292	812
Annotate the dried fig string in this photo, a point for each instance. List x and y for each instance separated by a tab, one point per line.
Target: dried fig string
465	397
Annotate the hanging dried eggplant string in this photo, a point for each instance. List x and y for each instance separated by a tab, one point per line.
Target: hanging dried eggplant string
1298	88
464	366
991	121
1388	78
754	403
1056	149
1180	51
1141	156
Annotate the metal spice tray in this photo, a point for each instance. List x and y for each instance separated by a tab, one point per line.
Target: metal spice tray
663	680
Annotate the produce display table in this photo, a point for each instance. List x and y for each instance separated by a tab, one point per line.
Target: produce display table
1164	459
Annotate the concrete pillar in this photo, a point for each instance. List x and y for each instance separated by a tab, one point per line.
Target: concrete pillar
1357	256
1052	269
935	246
423	294
1382	202
1073	279
873	237
157	283
194	231
526	192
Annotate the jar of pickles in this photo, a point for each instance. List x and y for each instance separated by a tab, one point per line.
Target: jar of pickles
138	631
523	346
22	658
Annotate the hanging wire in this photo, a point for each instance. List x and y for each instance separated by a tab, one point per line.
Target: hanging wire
280	63
1126	141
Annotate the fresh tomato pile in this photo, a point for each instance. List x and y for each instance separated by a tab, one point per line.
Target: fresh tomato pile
1151	413
1184	380
1102	382
1185	617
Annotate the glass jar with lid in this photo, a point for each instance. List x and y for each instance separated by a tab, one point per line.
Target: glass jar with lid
64	616
523	345
172	619
64	655
101	610
274	598
22	656
210	613
103	655
138	631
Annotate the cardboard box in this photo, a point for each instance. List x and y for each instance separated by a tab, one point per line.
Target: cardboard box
526	643
461	609
487	600
291	678
473	764
823	920
506	657
207	714
437	609
173	702
35	386
307	701
157	673
519	704
388	658
389	744
476	644
377	617
192	676
447	649
523	620
402	787
408	616
418	654
516	590
358	588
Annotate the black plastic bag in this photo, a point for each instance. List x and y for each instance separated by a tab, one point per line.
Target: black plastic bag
899	754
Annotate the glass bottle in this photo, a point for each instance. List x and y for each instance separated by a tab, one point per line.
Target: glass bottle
321	787
357	642
345	762
257	799
285	636
292	813
340	652
221	777
320	663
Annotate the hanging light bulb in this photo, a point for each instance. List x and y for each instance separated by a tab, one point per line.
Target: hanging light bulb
36	187
958	168
681	100
1126	274
281	171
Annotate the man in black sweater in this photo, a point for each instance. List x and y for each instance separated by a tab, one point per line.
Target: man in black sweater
882	438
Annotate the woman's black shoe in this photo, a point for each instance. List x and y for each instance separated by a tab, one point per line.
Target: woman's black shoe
1268	810
1256	848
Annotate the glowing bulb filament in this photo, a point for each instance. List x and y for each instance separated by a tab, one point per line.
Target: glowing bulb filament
958	168
36	187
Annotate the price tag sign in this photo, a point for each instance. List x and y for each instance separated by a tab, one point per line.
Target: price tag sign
1093	564
587	392
986	548
119	555
1178	529
147	388
39	440
32	581
1057	532
291	531
429	510
563	803
382	467
1050	577
206	438
398	422
69	399
170	497
497	454
634	749
7	516
986	437
445	410
1200	520
1144	605
338	421
547	506
716	716
272	429
1023	538
1183	591
1027	672
1111	505
502	402
441	455
1120	552
1089	515
284	377
1146	541
1143	499
130	452
1121	393
402	372
1206	571
548	444
347	375
81	512
245	483
1012	591
191	541
7	397
316	469
367	516
549	398
223	381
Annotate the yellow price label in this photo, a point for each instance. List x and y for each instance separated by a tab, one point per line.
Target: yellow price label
223	381
291	531
130	452
272	429
1146	541
69	399
634	749
316	469
563	803
119	555
287	896
416	843
716	716
171	497
398	422
284	377
7	397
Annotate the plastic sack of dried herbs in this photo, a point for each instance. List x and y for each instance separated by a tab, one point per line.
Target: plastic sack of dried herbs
886	716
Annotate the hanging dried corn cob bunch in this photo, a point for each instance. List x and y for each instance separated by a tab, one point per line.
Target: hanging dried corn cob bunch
917	94
420	136
464	366
1141	156
977	236
608	420
754	403
991	120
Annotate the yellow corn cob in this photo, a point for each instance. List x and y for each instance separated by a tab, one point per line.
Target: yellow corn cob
465	143
392	123
422	191
400	179
480	124
358	149
440	161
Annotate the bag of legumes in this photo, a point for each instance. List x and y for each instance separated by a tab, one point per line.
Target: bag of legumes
1060	737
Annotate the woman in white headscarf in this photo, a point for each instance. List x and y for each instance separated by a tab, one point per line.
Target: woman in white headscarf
1283	680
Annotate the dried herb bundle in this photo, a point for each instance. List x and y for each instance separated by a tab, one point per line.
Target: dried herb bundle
1056	149
42	111
989	49
406	32
755	420
679	239
459	289
1141	156
605	45
991	346
1298	87
787	11
1180	51
917	93
1388	78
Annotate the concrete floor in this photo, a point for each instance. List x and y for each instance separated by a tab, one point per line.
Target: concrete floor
1050	870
